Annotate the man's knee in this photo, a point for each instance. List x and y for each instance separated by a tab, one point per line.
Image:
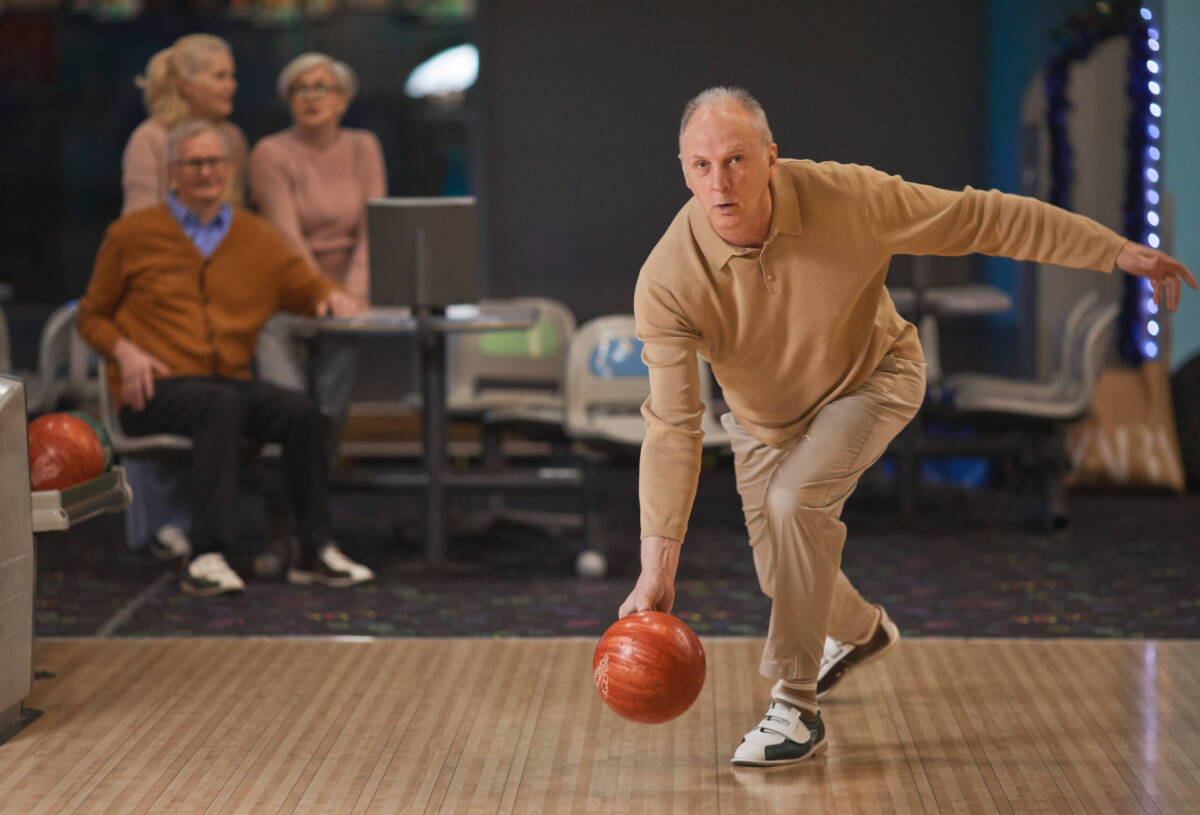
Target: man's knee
300	410
223	408
785	500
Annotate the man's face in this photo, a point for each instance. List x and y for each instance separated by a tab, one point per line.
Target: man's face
728	168
199	172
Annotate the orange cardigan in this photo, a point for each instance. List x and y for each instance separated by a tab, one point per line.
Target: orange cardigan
200	317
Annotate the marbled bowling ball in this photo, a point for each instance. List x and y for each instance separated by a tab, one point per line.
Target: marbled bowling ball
63	451
101	433
649	667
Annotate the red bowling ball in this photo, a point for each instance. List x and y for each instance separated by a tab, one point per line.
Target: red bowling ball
63	451
649	667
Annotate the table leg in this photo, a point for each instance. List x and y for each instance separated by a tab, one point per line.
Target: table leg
433	430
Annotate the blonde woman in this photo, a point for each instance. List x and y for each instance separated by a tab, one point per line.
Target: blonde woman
313	181
193	79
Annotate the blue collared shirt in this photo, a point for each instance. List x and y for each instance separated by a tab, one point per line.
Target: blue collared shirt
206	236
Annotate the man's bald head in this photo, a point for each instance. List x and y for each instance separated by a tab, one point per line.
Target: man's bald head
722	95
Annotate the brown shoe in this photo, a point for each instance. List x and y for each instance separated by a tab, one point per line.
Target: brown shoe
840	657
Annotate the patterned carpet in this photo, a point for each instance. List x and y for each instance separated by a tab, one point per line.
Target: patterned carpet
968	566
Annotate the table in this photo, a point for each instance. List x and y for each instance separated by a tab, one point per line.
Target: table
431	330
967	300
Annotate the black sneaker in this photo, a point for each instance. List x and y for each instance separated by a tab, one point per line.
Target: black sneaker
329	567
170	542
209	575
276	557
840	657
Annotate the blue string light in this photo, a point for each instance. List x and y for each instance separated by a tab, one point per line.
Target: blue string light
1139	328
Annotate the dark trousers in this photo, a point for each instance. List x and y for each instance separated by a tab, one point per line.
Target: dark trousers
219	415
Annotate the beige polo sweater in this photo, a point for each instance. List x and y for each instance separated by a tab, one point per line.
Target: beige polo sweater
795	325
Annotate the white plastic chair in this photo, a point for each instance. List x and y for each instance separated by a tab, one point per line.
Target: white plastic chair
133	445
65	364
517	374
1024	421
1087	332
607	382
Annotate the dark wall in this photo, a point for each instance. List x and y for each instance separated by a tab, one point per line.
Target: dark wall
581	104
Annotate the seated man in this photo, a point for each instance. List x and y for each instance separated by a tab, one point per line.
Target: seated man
177	297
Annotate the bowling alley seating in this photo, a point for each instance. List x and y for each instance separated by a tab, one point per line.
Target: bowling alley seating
66	366
1024	422
511	383
607	382
156	486
512	373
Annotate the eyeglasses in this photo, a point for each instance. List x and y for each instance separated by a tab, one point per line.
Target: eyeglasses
318	91
195	165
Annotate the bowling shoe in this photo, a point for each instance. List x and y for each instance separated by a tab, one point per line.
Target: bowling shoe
208	575
330	567
170	542
840	657
782	737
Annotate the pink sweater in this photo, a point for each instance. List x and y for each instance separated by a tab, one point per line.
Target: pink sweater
317	198
144	166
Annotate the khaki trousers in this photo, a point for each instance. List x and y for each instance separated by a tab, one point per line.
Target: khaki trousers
793	496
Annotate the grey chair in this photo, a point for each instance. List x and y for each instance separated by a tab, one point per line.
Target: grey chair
511	384
66	366
133	445
1025	422
153	467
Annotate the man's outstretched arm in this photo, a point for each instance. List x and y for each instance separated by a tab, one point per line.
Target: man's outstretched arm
1162	270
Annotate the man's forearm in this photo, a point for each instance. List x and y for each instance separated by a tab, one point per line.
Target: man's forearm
660	555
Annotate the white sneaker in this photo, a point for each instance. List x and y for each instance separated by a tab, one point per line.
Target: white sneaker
782	737
208	575
330	567
170	542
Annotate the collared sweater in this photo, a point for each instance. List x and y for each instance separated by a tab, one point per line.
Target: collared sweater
805	319
200	317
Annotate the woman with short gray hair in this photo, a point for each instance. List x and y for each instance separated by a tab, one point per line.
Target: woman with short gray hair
313	181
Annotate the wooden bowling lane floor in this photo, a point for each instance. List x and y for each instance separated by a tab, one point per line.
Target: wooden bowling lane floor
514	726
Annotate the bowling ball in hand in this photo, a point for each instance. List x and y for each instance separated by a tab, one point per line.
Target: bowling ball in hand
101	433
63	451
649	667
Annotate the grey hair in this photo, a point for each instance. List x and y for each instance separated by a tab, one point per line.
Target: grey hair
725	94
343	74
190	129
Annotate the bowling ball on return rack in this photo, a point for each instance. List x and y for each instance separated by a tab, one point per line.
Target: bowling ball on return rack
63	451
